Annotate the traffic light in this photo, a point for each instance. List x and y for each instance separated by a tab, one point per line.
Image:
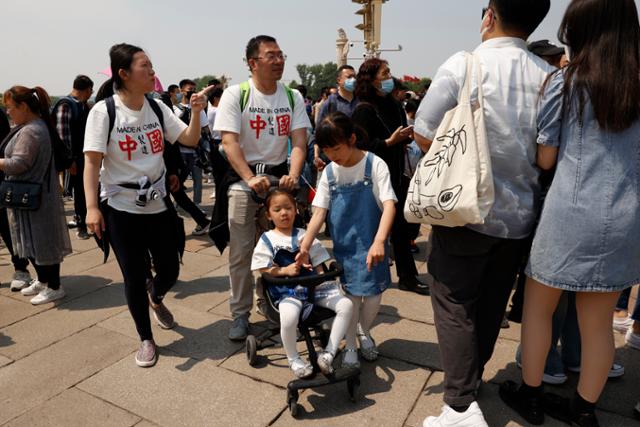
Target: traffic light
371	12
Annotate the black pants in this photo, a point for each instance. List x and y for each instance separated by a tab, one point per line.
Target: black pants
183	200
133	237
19	264
401	237
474	276
48	274
79	201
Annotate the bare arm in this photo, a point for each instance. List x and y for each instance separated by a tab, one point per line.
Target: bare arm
376	251
191	135
231	145
317	219
422	142
298	155
547	157
95	221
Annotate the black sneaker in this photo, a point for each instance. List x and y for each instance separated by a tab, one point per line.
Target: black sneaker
528	407
559	407
82	234
412	284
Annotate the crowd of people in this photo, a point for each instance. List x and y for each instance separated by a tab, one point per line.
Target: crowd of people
563	138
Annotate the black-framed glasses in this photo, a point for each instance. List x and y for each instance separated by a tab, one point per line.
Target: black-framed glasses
484	12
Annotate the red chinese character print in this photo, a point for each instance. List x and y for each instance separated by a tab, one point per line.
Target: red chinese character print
258	125
155	138
284	123
129	145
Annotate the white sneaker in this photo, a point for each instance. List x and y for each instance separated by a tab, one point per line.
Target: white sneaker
21	280
34	288
621	325
472	417
325	362
633	340
616	371
48	295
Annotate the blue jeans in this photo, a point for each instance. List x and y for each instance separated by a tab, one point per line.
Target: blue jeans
623	304
196	175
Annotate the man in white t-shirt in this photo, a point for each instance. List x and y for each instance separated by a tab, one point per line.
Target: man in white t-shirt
256	122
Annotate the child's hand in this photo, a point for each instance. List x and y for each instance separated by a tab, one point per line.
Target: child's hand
302	259
375	255
290	270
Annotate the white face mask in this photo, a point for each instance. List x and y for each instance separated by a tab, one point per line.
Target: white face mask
483	30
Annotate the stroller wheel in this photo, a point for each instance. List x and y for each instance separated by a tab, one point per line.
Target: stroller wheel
293	408
251	347
352	386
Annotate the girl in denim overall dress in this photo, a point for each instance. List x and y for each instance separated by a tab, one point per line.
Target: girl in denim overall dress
355	192
275	254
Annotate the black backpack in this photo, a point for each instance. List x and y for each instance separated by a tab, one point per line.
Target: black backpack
62	152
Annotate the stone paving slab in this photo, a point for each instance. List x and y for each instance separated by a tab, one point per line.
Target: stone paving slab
407	305
387	394
201	294
407	340
197	335
48	372
196	265
77	263
13	310
4	361
75	408
46	328
203	395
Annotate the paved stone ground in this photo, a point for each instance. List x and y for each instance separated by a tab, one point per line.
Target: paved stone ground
71	363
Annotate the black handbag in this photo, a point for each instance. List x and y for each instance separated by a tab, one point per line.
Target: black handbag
20	195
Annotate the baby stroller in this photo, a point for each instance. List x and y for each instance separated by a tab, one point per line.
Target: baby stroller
310	329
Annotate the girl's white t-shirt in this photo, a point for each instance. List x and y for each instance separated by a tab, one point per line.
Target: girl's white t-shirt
135	149
380	177
263	257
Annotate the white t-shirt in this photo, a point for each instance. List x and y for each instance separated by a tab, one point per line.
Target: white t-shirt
380	177
135	149
211	118
263	257
179	109
265	124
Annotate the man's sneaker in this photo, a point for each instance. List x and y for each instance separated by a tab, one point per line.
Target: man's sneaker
21	280
300	368
633	340
622	324
48	295
528	407
34	288
72	224
82	234
325	362
239	329
147	355
162	315
472	417
616	371
200	230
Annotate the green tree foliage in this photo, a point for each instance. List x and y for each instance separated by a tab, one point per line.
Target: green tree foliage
201	82
316	76
417	86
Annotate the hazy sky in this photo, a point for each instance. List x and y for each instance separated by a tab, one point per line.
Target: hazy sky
48	42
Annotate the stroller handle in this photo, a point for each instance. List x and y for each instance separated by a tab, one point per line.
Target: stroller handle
335	270
274	182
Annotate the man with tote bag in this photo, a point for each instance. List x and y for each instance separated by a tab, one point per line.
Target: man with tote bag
475	265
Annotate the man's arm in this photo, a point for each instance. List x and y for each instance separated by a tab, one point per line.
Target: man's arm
231	144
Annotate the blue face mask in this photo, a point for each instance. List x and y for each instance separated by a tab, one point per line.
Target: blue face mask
387	86
179	96
350	84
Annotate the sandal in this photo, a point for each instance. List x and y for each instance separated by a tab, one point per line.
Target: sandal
369	354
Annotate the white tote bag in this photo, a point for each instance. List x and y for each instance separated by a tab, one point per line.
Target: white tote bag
453	185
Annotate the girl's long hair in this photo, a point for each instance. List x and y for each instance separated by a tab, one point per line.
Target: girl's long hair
604	41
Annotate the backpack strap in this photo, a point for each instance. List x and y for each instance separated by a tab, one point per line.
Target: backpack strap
245	88
244	94
111	112
156	109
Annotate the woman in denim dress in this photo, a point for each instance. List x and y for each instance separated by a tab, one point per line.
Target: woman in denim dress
589	127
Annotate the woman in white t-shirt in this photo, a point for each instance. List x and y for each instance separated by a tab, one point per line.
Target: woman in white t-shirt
132	213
